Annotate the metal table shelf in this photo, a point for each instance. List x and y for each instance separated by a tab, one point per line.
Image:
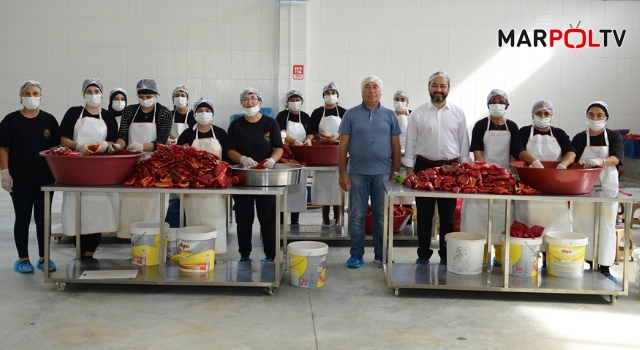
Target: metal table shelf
400	275
254	274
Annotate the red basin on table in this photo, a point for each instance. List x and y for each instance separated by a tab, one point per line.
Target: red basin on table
319	153
92	170
549	180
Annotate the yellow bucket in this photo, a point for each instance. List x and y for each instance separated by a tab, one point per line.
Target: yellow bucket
523	256
196	248
145	242
307	263
565	253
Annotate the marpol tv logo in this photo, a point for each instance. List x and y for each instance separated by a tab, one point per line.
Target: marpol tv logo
572	38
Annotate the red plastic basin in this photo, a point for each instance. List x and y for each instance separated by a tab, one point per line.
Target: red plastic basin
319	153
398	223
92	170
549	180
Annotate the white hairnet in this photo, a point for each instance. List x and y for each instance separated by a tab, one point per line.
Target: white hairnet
497	92
330	86
30	82
401	93
179	88
147	84
542	104
92	81
440	74
600	104
250	90
293	93
370	78
203	102
117	90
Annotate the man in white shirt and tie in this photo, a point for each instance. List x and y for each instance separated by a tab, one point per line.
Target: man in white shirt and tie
436	135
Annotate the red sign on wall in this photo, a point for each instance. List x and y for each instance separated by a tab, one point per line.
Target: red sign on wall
298	72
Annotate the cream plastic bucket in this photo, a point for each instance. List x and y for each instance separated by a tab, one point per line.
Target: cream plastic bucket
307	263
145	242
523	256
196	248
565	253
465	252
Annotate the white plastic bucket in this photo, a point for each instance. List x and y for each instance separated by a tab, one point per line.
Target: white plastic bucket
565	253
523	256
172	242
145	242
196	248
465	251
307	263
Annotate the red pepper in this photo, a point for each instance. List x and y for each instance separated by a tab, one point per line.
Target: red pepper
456	189
499	190
260	165
164	184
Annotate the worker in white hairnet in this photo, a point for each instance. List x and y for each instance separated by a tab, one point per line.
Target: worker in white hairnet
144	125
325	121
183	117
401	107
90	129
117	102
23	135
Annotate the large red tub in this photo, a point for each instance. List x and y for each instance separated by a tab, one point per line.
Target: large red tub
549	180
92	170
319	153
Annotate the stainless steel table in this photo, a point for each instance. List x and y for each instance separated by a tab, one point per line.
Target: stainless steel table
409	275
243	274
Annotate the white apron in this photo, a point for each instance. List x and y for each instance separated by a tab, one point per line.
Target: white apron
178	128
474	212
100	211
403	120
326	189
583	213
118	119
136	207
208	209
297	195
553	216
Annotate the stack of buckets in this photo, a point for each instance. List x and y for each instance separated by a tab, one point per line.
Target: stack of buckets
307	262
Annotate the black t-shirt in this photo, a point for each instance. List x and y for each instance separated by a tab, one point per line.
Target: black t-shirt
255	140
616	143
180	118
523	137
25	138
281	118
477	135
189	135
70	118
316	116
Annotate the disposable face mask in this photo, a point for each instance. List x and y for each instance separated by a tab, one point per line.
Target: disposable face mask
118	105
147	103
93	100
295	106
251	111
331	99
180	102
399	106
31	103
596	125
204	118
541	122
497	110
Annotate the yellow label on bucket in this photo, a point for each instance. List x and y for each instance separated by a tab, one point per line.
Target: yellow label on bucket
301	277
297	264
565	260
145	255
198	262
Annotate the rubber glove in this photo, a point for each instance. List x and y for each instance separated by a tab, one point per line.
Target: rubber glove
561	166
590	163
114	147
307	142
537	164
102	147
7	180
248	162
135	147
82	148
270	163
336	136
297	143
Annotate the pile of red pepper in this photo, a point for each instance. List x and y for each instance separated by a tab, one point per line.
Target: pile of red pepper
478	177
398	210
520	230
63	151
182	166
287	157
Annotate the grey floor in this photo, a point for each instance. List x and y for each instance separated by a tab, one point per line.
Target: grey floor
355	310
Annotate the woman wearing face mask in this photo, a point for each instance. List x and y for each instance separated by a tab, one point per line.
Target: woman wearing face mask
23	134
325	121
81	127
537	142
207	209
252	139
493	140
117	102
401	107
144	125
182	116
599	146
295	123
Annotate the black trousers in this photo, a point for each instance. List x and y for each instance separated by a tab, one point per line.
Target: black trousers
28	199
425	207
265	208
88	243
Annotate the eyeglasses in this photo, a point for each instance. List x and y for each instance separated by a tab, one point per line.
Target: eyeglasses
251	99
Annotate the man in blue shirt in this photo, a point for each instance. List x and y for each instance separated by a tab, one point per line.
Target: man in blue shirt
370	133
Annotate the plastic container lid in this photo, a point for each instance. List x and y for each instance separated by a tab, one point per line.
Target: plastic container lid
146	227
566	238
308	248
523	241
196	233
